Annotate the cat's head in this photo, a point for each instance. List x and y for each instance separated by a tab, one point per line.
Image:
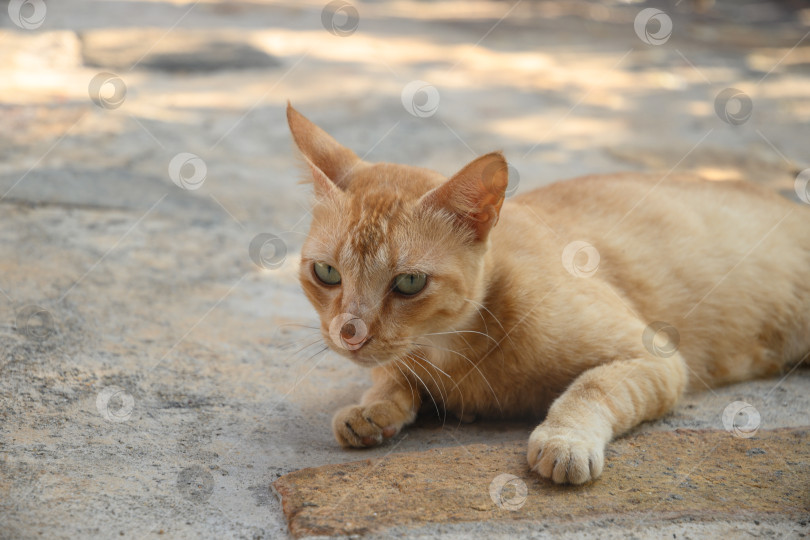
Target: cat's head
394	252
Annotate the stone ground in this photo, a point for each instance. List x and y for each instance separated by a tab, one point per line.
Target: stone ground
157	375
671	474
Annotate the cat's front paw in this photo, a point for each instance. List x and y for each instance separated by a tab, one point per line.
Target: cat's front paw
565	455
361	426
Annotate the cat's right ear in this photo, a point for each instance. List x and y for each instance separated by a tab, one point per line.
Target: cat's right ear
329	161
474	194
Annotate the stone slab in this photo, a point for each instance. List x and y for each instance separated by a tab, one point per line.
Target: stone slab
703	475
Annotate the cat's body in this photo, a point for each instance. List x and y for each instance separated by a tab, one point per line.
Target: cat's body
559	310
711	260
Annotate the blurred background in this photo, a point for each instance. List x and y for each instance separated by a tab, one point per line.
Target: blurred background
156	372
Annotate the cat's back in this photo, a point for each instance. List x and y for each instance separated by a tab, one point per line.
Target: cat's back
621	193
684	250
635	205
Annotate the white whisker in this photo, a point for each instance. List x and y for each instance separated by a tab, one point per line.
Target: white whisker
455	384
299	325
319	340
474	365
413	357
407	380
485	308
325	348
436	405
460	332
478	310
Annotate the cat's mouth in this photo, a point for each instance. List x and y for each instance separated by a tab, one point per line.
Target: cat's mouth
371	353
366	357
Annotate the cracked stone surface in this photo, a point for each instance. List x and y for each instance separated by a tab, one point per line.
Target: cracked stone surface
155	380
681	474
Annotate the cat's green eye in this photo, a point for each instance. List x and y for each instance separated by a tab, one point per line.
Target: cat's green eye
326	273
409	284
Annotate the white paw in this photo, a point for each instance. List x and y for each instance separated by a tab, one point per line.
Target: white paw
566	455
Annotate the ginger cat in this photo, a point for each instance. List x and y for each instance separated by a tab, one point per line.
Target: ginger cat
553	303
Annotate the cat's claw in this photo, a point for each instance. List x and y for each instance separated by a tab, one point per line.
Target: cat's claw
565	455
362	426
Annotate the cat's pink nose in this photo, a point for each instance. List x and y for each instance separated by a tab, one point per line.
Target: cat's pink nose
352	336
348	332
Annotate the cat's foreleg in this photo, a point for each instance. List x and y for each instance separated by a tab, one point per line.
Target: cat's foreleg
603	402
391	403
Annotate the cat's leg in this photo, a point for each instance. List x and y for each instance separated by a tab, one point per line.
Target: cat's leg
391	403
603	402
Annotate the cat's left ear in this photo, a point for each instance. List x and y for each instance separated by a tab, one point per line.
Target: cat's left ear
330	161
474	194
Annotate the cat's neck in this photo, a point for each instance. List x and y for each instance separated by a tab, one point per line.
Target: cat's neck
483	312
